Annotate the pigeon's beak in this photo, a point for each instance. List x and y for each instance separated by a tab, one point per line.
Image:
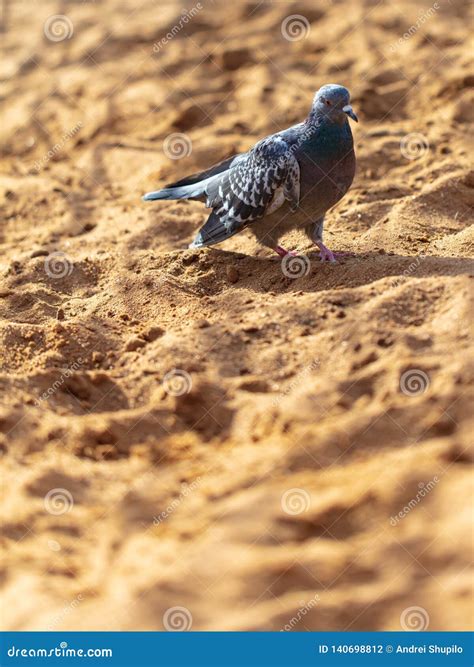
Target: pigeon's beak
350	112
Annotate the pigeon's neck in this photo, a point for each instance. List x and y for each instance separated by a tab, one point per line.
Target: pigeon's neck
317	119
321	129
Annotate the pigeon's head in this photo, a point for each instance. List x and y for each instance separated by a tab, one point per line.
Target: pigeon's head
332	101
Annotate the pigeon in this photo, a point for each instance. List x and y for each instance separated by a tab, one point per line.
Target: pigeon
288	180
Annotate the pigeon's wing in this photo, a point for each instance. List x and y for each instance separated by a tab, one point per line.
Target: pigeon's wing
255	184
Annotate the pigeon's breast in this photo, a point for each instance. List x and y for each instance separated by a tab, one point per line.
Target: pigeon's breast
327	170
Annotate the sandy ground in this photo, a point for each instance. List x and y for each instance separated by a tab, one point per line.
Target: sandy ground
307	464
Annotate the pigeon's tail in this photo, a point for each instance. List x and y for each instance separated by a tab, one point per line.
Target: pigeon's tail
194	191
191	187
214	231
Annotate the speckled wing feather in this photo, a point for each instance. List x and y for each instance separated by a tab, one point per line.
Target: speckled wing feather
264	177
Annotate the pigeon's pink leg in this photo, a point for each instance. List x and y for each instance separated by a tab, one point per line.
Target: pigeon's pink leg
329	255
282	252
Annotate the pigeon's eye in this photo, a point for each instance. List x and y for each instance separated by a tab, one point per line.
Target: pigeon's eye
328	103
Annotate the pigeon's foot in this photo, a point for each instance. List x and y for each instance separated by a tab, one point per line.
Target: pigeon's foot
282	252
330	256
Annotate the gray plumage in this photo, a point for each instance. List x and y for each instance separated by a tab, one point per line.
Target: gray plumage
287	180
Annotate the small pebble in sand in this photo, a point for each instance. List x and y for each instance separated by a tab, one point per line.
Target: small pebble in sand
232	274
134	344
39	253
153	333
97	357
